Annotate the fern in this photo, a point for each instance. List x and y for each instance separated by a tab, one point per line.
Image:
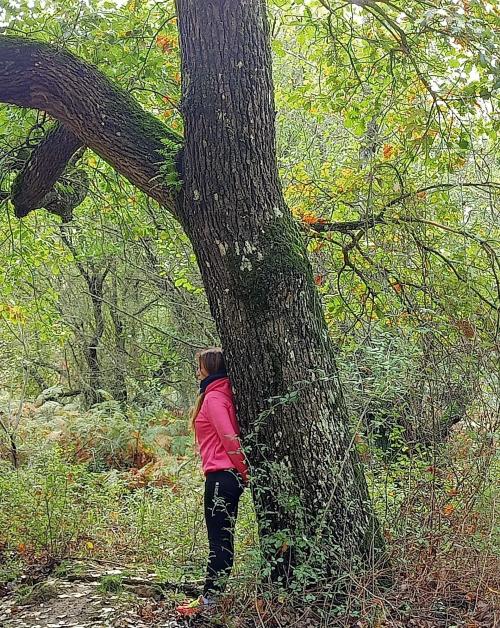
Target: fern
168	167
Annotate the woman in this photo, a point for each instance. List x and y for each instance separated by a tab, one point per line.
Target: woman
226	472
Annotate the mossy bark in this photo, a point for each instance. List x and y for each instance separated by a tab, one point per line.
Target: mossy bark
100	114
309	489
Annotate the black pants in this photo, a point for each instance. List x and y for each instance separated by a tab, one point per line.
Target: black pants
222	494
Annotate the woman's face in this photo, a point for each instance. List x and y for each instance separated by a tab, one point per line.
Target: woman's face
201	371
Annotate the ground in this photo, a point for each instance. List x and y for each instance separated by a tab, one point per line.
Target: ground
85	601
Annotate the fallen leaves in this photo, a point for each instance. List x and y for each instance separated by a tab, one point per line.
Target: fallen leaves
151	474
466	328
448	510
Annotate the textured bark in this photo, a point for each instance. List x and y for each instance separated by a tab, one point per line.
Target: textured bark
68	193
45	166
95	286
310	491
103	117
119	383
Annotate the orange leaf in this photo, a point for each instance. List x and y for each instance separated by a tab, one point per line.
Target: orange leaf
466	328
165	42
388	151
310	218
283	548
388	535
448	510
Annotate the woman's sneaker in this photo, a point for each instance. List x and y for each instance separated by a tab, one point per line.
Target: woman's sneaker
196	606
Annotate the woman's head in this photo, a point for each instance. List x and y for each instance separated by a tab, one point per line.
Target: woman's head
209	361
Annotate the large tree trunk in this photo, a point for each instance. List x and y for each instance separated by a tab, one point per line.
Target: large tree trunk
309	489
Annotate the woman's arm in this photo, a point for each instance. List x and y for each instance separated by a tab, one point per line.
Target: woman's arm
218	415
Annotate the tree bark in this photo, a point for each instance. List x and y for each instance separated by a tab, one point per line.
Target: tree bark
104	117
119	380
47	163
309	489
95	282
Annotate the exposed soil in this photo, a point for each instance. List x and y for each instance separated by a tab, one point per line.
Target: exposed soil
81	605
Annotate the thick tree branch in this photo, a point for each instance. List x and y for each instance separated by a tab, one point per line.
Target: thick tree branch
104	117
42	170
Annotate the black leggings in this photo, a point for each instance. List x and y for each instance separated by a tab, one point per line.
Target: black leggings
222	493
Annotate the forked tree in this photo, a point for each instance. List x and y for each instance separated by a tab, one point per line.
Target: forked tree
309	489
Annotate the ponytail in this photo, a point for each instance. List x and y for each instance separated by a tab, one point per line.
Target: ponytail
196	409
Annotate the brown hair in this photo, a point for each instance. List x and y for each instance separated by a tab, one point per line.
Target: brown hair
212	360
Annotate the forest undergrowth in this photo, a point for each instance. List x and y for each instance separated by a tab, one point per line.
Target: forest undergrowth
123	490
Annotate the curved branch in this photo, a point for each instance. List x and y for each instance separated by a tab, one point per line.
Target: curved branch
104	117
42	170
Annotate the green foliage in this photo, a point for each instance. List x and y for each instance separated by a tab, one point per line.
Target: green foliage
37	593
55	508
10	570
50	503
169	166
111	584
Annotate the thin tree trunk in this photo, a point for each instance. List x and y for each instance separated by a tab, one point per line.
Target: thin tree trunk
119	380
309	489
95	282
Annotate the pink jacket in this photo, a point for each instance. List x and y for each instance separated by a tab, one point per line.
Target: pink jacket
217	431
